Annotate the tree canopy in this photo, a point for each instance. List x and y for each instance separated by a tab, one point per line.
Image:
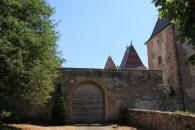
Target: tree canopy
181	13
28	51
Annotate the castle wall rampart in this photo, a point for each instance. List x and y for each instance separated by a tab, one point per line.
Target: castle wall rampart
98	95
141	89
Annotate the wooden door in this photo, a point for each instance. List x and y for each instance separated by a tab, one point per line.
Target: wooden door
88	104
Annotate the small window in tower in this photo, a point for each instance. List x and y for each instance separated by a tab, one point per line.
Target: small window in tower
159	60
158	42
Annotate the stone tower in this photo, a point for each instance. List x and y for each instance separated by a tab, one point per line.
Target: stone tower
167	54
162	54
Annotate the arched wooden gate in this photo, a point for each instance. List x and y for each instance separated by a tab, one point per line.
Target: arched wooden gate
88	104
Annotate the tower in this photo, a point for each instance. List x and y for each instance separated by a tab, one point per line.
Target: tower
131	60
167	54
110	64
162	54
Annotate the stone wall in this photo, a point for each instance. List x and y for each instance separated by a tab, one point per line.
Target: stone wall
121	88
187	78
164	45
156	120
178	77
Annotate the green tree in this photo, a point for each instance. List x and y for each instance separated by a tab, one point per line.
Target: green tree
59	112
181	13
28	51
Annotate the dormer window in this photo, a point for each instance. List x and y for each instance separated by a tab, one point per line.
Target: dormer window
159	60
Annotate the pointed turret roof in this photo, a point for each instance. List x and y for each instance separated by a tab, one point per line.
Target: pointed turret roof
131	59
110	64
161	24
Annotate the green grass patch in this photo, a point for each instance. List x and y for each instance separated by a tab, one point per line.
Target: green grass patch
178	114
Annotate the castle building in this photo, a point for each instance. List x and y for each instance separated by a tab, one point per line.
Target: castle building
100	95
167	54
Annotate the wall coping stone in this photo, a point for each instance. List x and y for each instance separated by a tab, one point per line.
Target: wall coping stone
155	111
116	70
160	120
149	75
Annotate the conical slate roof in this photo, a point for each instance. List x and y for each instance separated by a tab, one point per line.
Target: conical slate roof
160	25
110	64
131	59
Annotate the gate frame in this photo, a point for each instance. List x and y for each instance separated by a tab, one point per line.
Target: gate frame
100	85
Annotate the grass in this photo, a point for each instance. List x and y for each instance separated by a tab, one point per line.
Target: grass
178	114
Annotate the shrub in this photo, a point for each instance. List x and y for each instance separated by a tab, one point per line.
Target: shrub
177	114
4	114
10	115
59	113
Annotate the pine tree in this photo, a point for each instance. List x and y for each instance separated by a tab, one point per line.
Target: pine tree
59	112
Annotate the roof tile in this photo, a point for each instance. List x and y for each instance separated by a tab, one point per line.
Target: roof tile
160	25
110	64
131	59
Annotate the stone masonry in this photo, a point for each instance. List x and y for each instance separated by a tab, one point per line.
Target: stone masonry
121	89
166	54
156	120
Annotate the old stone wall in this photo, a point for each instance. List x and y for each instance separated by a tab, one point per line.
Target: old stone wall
121	89
92	93
163	46
177	77
187	77
156	120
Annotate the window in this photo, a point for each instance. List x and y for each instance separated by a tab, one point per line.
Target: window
159	60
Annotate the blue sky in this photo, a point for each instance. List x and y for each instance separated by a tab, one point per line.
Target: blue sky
91	30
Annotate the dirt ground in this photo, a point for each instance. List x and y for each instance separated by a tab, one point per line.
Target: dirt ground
75	127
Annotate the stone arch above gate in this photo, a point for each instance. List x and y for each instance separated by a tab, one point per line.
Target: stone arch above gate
88	102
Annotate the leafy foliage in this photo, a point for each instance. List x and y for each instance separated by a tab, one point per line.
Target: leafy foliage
178	114
181	13
28	51
10	115
4	114
59	113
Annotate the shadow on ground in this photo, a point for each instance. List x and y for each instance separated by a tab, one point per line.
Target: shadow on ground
6	127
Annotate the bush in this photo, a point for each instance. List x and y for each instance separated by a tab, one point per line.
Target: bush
4	114
10	115
177	114
59	113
